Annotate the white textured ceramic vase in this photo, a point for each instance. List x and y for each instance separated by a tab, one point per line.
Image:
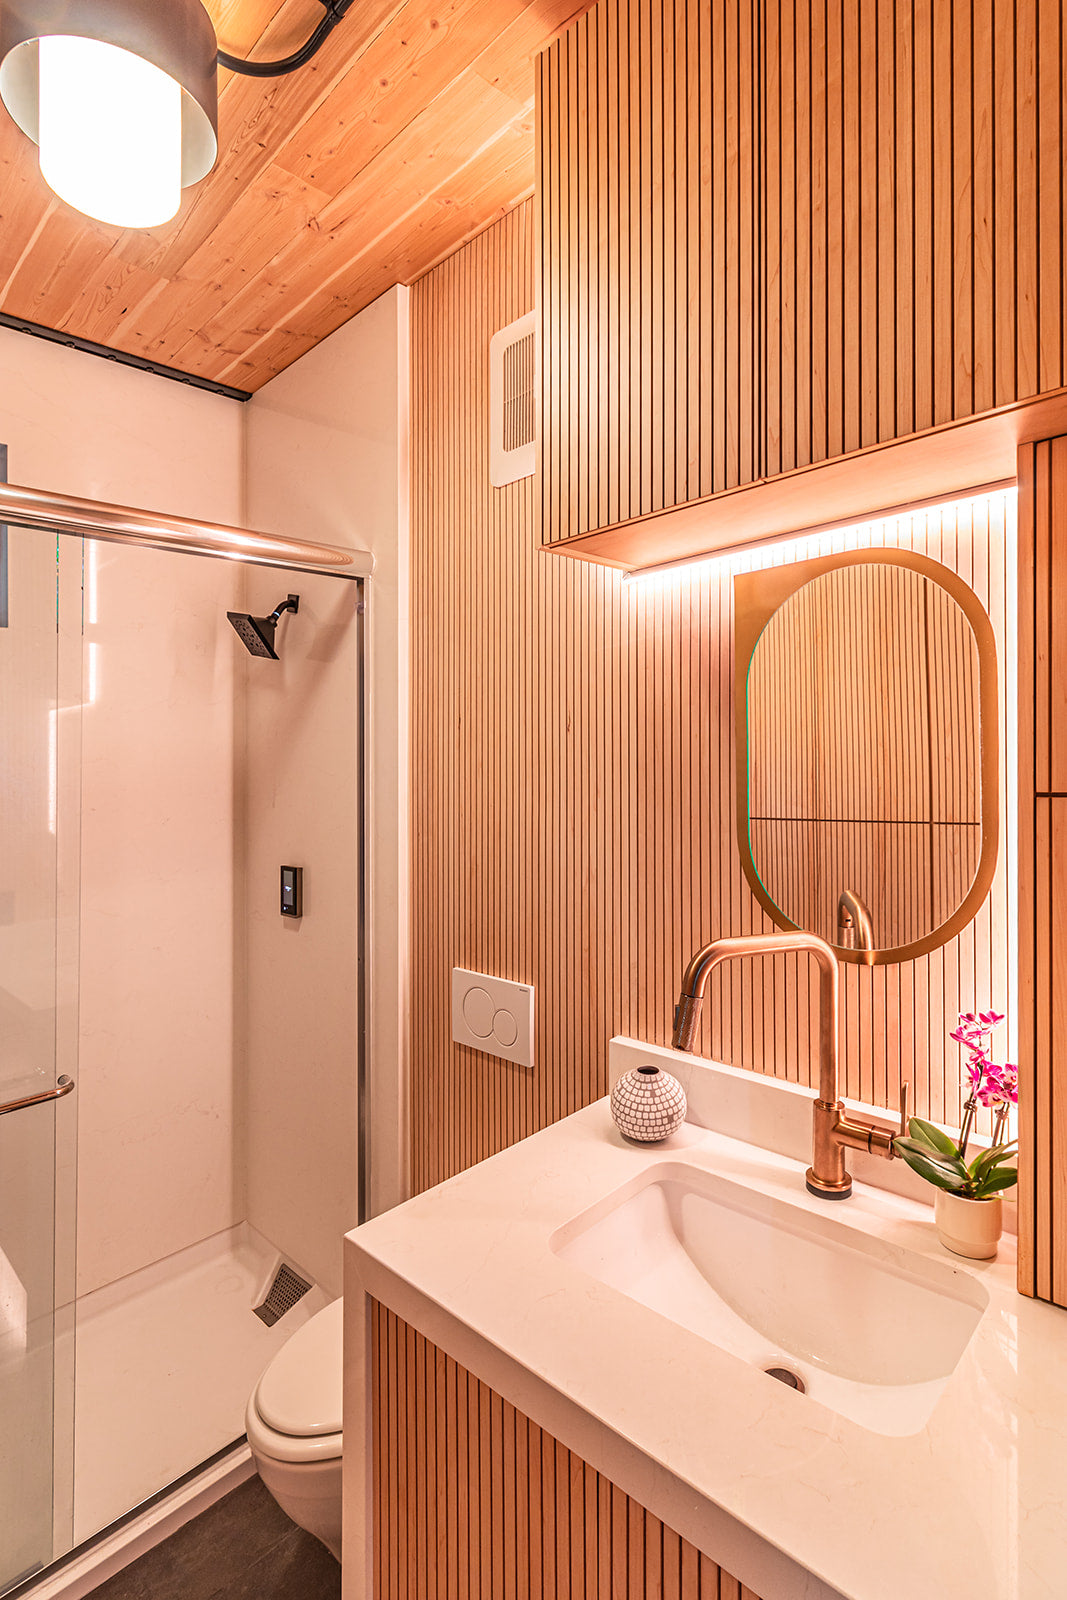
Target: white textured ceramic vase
969	1227
647	1104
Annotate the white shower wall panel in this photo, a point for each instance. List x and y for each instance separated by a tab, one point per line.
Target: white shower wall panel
299	1095
158	1157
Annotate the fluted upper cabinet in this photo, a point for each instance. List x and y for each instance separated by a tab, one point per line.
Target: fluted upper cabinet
775	233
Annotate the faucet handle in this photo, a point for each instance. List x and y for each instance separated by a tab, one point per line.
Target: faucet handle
904	1090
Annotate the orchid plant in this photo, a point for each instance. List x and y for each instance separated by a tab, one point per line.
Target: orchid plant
942	1160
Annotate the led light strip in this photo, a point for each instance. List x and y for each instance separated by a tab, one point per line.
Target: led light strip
774	552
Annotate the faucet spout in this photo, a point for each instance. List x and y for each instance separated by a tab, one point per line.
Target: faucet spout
855	930
695	983
832	1130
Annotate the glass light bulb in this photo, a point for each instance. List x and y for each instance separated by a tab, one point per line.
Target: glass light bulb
110	132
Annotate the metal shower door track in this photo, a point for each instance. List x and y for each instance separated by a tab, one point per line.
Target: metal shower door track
94	519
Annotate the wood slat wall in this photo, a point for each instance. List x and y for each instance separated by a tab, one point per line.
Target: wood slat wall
776	233
1043	870
573	783
472	1499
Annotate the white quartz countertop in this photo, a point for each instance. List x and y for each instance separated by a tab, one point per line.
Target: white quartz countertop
782	1491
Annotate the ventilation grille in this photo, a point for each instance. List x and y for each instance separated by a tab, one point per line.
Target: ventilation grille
519	393
282	1295
512	402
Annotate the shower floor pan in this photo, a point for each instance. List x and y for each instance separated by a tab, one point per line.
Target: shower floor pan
166	1360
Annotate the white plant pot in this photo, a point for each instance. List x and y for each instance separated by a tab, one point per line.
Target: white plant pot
969	1227
647	1104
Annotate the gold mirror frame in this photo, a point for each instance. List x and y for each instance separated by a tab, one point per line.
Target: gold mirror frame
757	596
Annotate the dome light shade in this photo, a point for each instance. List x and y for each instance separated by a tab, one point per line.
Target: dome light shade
110	132
120	95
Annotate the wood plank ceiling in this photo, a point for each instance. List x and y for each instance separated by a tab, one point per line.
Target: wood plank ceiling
410	131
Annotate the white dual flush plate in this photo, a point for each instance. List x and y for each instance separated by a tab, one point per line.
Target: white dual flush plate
493	1015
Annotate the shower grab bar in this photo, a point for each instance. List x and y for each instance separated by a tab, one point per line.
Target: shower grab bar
63	1086
45	512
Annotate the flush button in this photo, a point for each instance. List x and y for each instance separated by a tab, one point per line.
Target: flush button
478	1012
505	1028
493	1015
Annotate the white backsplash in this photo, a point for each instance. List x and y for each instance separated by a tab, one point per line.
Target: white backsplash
772	1113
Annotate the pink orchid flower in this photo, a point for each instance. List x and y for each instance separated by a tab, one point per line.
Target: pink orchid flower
1000	1087
976	1071
972	1029
995	1087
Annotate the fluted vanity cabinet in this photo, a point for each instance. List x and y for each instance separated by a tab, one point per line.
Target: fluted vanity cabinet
781	263
470	1497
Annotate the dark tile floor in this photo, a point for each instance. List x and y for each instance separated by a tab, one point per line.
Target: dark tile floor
243	1548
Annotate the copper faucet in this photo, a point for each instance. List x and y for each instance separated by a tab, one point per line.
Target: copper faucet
855	930
832	1130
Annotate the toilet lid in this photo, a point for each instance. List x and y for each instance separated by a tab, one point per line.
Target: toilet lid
300	1392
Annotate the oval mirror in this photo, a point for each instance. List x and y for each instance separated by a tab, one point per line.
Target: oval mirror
866	700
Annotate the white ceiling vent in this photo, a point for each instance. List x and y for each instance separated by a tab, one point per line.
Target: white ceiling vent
512	425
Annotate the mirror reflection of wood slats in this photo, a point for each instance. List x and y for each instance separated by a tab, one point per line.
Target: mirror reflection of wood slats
864	735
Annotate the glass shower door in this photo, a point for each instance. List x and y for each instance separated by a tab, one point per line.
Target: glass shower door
40	706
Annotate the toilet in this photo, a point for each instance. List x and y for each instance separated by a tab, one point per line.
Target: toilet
293	1422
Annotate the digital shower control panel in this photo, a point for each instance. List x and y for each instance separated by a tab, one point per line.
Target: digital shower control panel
292	892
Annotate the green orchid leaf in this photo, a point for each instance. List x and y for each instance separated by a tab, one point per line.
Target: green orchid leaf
950	1164
916	1136
989	1160
1005	1178
940	1176
932	1136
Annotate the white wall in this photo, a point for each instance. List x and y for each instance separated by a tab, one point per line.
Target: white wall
158	1162
299	978
327	460
155	1073
85	426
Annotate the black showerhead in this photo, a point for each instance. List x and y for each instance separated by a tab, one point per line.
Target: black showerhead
257	633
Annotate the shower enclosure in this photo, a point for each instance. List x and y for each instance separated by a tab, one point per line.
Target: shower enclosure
181	1063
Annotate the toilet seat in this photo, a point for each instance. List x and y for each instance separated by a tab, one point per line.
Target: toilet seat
265	1441
294	1413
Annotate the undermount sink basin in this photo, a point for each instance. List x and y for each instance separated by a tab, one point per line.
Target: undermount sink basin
872	1331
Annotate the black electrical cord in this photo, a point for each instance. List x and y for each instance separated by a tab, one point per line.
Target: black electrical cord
335	13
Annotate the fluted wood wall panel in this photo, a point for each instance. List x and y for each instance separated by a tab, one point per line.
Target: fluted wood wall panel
473	1501
776	231
1043	870
573	781
649	270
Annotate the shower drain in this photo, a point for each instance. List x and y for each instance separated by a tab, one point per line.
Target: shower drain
792	1380
282	1295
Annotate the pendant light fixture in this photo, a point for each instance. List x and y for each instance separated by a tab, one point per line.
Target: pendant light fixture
121	97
